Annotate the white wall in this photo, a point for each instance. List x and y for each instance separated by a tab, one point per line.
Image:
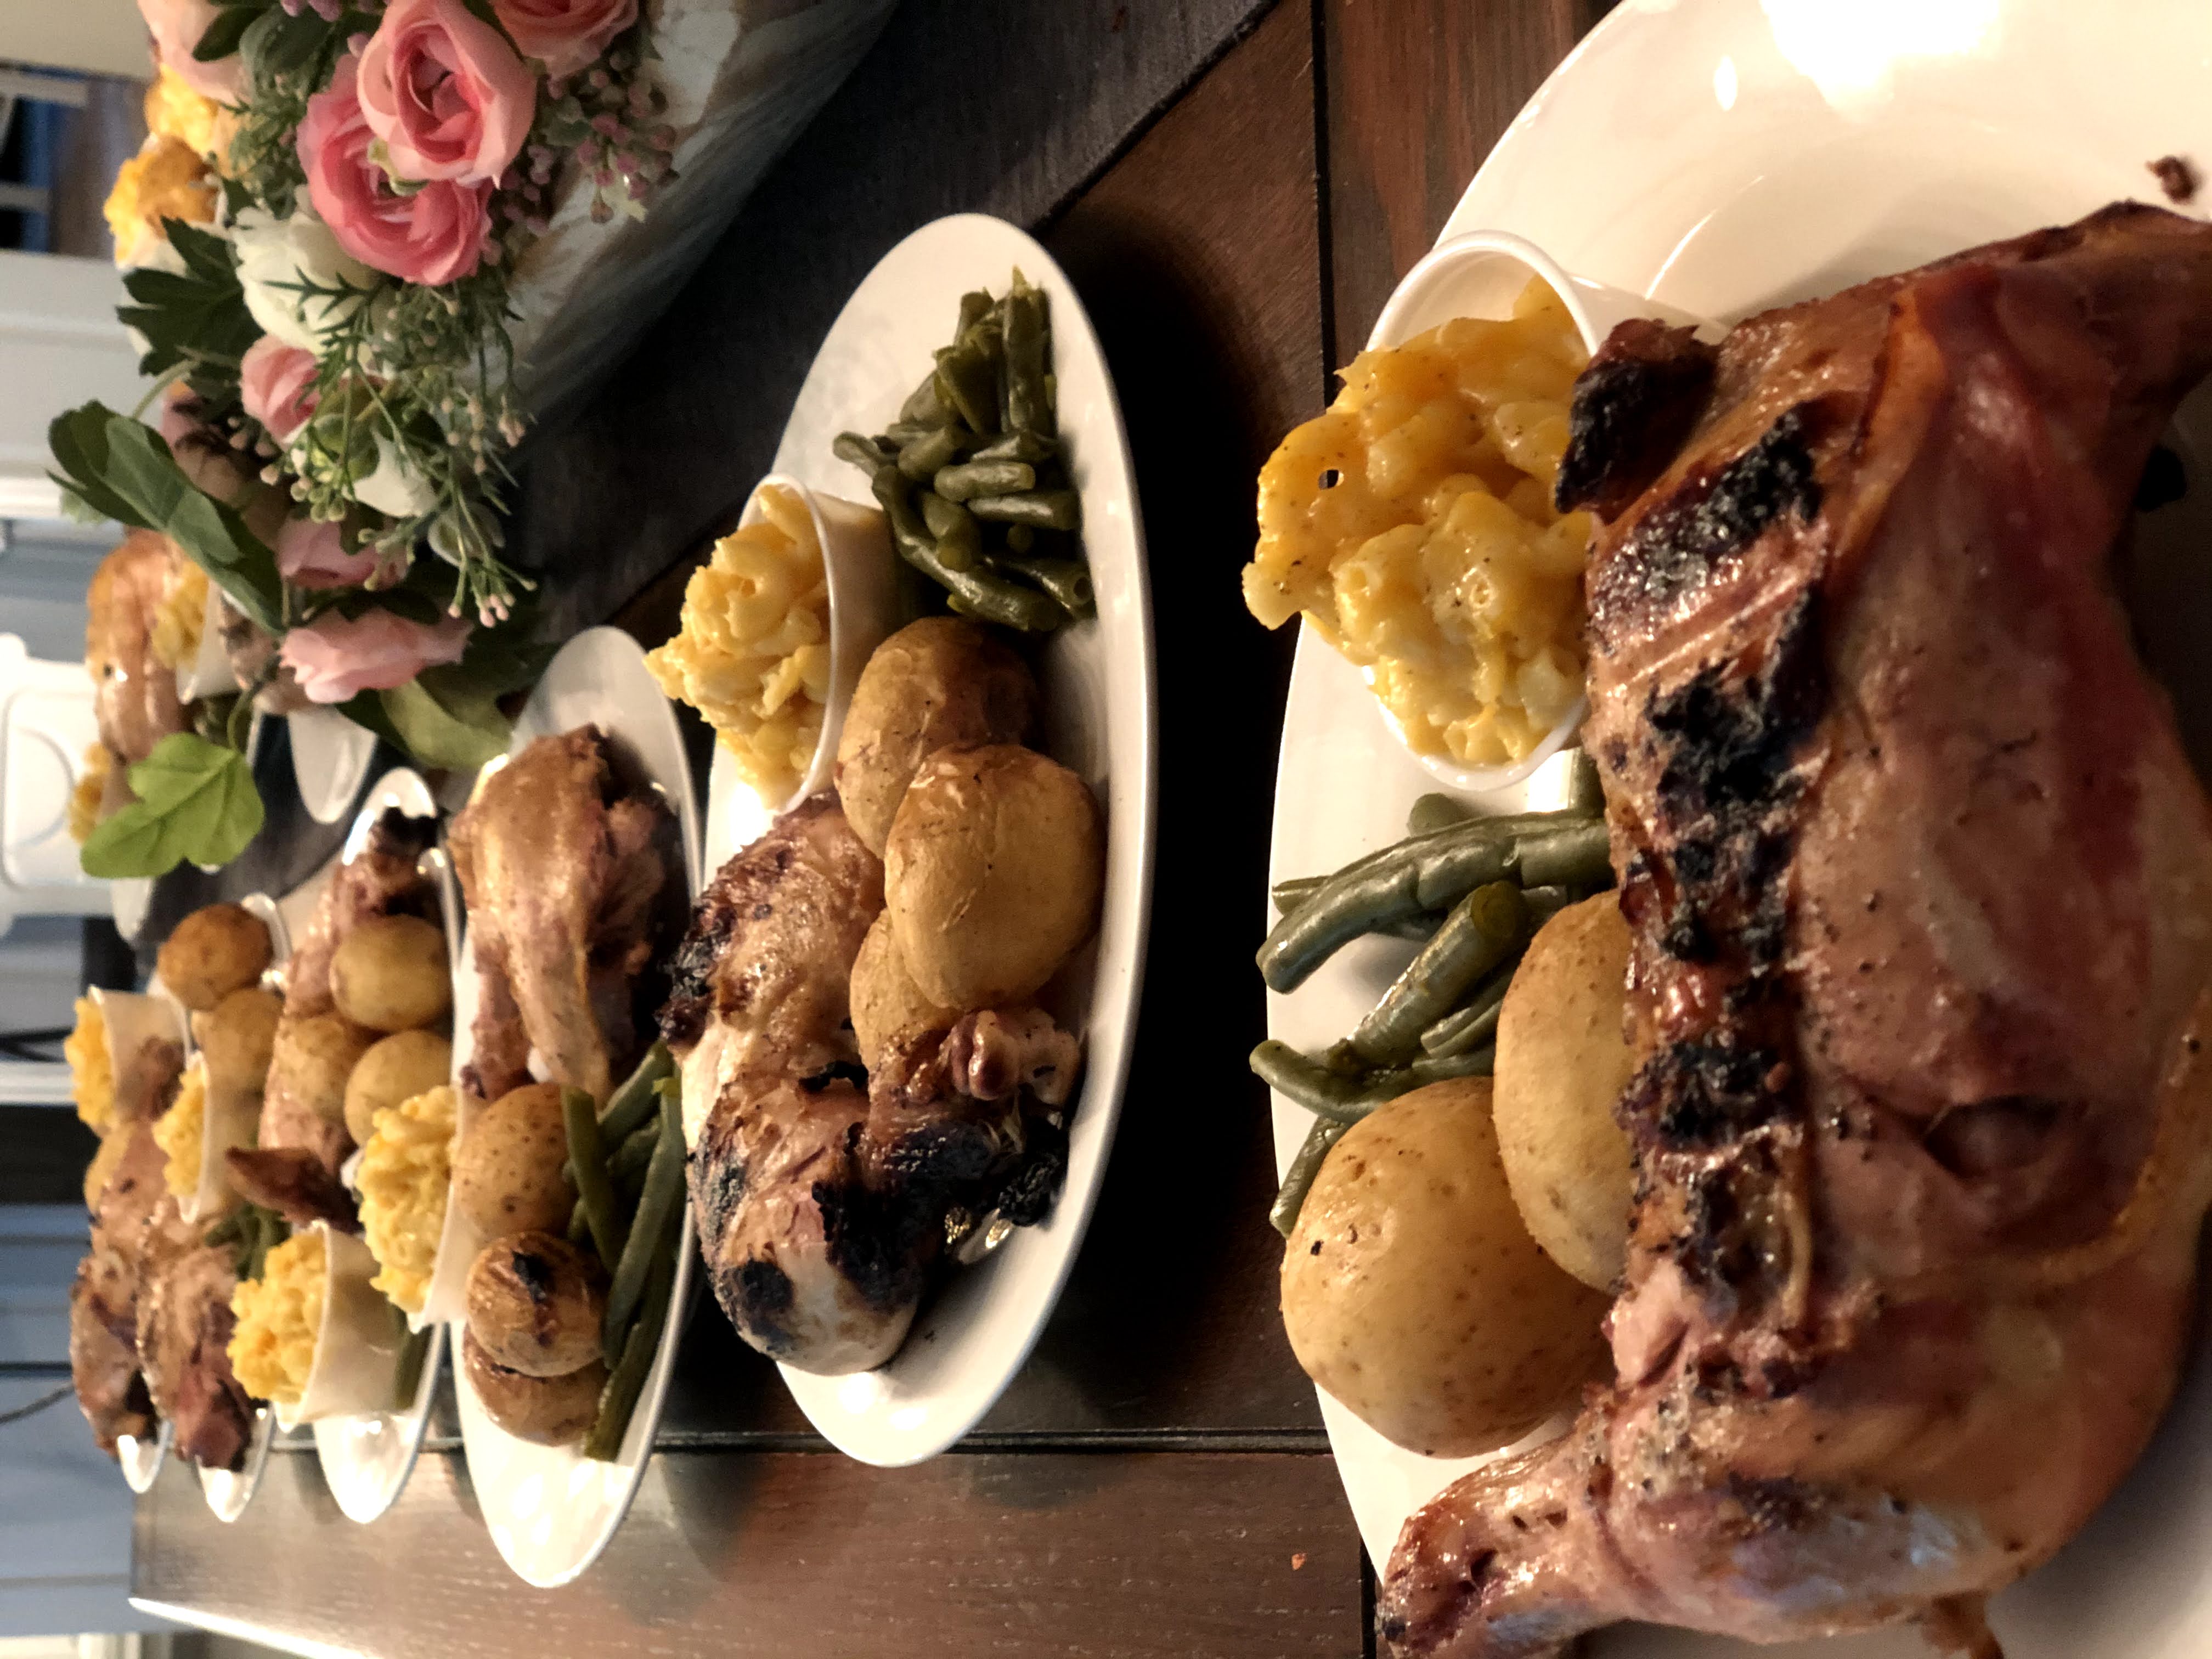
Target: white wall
62	345
101	37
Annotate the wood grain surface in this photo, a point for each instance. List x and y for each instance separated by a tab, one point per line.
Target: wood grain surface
783	1554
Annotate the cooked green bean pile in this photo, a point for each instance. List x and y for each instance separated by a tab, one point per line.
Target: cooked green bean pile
628	1165
1473	891
971	474
251	1231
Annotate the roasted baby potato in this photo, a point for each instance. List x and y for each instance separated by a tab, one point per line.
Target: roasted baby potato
534	1304
1412	1293
213	953
238	1037
942	680
391	974
991	873
314	1057
506	1171
1563	1060
885	999
548	1411
398	1067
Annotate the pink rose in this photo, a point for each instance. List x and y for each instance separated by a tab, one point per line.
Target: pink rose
312	554
445	94
276	383
566	35
433	237
335	659
177	26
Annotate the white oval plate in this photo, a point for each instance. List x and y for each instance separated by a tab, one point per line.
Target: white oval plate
227	1493
1721	157
330	757
549	1509
367	1456
978	1326
140	1460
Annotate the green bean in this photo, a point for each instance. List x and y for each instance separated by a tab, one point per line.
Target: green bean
979	592
1068	580
1030	446
973	479
864	452
1482	929
610	1227
959	538
636	1102
1429	872
627	1381
1299	1179
924	406
1040	509
1585	790
1545	903
224	1232
1433	812
630	1158
968	384
1475	1021
580	1225
1023	324
1020	538
1346	1098
656	1210
974	306
927	455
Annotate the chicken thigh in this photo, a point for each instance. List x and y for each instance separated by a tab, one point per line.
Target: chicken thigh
1920	884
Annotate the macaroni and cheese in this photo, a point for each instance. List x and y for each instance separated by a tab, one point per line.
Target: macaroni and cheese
1413	525
753	655
406	1172
279	1316
92	1073
181	1132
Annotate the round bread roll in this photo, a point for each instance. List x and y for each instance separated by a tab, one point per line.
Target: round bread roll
391	974
942	680
213	951
1563	1060
546	1411
506	1171
1412	1293
534	1304
885	1000
992	874
312	1058
238	1037
397	1068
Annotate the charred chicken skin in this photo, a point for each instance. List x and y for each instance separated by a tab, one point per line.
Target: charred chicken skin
1920	883
560	868
823	1208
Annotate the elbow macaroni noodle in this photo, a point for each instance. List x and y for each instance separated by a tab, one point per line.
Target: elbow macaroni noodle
1413	525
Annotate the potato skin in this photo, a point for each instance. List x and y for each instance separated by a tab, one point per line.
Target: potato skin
507	1169
939	681
391	974
1562	1062
534	1304
212	952
885	1000
238	1037
314	1057
394	1069
992	874
547	1411
1412	1293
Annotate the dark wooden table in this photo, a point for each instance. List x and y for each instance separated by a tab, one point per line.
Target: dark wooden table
1156	1481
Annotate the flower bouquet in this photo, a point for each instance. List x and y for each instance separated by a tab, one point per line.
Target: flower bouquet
355	236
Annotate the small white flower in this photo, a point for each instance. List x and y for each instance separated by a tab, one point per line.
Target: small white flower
397	489
276	254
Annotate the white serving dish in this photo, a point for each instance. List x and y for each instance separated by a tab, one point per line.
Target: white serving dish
549	1509
140	1460
227	1493
979	1325
367	1452
856	561
234	1116
330	758
1722	157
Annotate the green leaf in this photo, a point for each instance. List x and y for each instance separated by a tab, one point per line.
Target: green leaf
443	720
193	315
222	35
78	438
196	800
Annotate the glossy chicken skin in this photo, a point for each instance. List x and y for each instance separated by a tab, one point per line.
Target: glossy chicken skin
134	697
1921	888
560	868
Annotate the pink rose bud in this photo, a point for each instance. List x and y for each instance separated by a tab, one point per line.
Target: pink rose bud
177	26
276	383
433	236
445	92
566	35
310	553
335	659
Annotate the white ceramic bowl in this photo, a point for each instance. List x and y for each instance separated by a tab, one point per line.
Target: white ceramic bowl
1480	274
862	575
